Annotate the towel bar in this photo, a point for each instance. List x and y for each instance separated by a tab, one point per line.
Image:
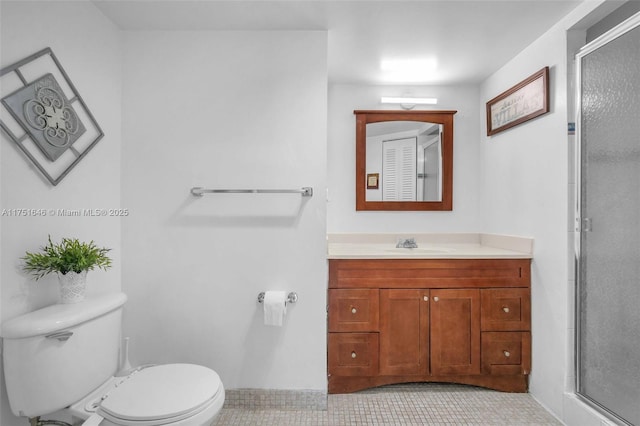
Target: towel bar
306	191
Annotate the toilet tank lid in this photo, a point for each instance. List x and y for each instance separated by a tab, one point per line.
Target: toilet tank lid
62	316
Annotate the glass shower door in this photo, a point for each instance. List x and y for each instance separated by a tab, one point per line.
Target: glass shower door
608	293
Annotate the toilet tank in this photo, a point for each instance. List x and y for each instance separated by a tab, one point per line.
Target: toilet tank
56	355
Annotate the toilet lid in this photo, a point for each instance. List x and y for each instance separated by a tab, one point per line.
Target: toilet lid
161	392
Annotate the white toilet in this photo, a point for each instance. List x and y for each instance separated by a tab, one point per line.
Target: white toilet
66	356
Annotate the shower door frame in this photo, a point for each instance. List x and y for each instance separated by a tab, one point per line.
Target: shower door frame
582	224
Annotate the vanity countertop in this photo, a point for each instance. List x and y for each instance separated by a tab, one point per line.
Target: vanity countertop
430	246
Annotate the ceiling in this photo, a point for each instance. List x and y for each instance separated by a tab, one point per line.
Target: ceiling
453	41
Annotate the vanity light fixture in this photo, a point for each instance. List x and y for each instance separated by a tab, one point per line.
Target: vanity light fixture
407	102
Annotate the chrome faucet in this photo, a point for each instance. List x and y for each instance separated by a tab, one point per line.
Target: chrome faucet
408	243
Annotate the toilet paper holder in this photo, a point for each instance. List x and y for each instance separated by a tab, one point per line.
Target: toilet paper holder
292	297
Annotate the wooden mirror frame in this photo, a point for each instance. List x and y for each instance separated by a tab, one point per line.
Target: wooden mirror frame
363	117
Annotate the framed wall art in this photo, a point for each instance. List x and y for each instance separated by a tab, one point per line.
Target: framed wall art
373	180
524	101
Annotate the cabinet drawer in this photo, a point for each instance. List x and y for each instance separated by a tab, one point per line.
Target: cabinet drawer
353	354
506	309
506	352
353	310
429	273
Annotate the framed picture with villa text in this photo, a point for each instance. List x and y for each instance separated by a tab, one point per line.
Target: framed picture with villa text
524	101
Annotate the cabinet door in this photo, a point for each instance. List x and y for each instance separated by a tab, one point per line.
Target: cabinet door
404	332
455	332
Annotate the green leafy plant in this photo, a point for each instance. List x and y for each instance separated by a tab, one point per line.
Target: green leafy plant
68	255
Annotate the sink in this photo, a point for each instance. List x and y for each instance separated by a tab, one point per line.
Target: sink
419	250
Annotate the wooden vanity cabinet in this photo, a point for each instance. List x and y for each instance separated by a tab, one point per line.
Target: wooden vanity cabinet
438	320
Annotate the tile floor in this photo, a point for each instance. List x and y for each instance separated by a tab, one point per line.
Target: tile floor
414	404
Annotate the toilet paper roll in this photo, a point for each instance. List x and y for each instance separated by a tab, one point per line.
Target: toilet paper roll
275	307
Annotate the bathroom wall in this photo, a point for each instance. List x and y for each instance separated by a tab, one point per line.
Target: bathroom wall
535	201
226	110
342	216
93	64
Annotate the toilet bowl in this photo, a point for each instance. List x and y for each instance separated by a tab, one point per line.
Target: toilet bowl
65	357
170	394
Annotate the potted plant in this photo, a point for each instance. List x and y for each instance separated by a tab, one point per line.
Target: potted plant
70	259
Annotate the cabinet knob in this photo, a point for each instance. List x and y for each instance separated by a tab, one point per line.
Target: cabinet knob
353	354
425	298
353	310
436	298
505	309
506	353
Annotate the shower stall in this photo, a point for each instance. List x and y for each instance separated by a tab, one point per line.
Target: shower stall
608	216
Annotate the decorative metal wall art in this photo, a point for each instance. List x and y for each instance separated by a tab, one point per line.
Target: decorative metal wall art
46	124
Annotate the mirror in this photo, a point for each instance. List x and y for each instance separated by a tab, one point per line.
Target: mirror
404	160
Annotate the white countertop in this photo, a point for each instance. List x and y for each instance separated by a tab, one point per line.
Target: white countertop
430	246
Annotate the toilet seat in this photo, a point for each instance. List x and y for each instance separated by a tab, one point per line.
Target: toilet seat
161	395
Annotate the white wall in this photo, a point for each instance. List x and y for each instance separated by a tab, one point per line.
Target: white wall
93	65
524	192
525	177
226	110
342	215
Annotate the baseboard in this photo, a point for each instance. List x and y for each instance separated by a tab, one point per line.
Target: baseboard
280	399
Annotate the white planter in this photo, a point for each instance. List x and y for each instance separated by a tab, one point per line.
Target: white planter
72	286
